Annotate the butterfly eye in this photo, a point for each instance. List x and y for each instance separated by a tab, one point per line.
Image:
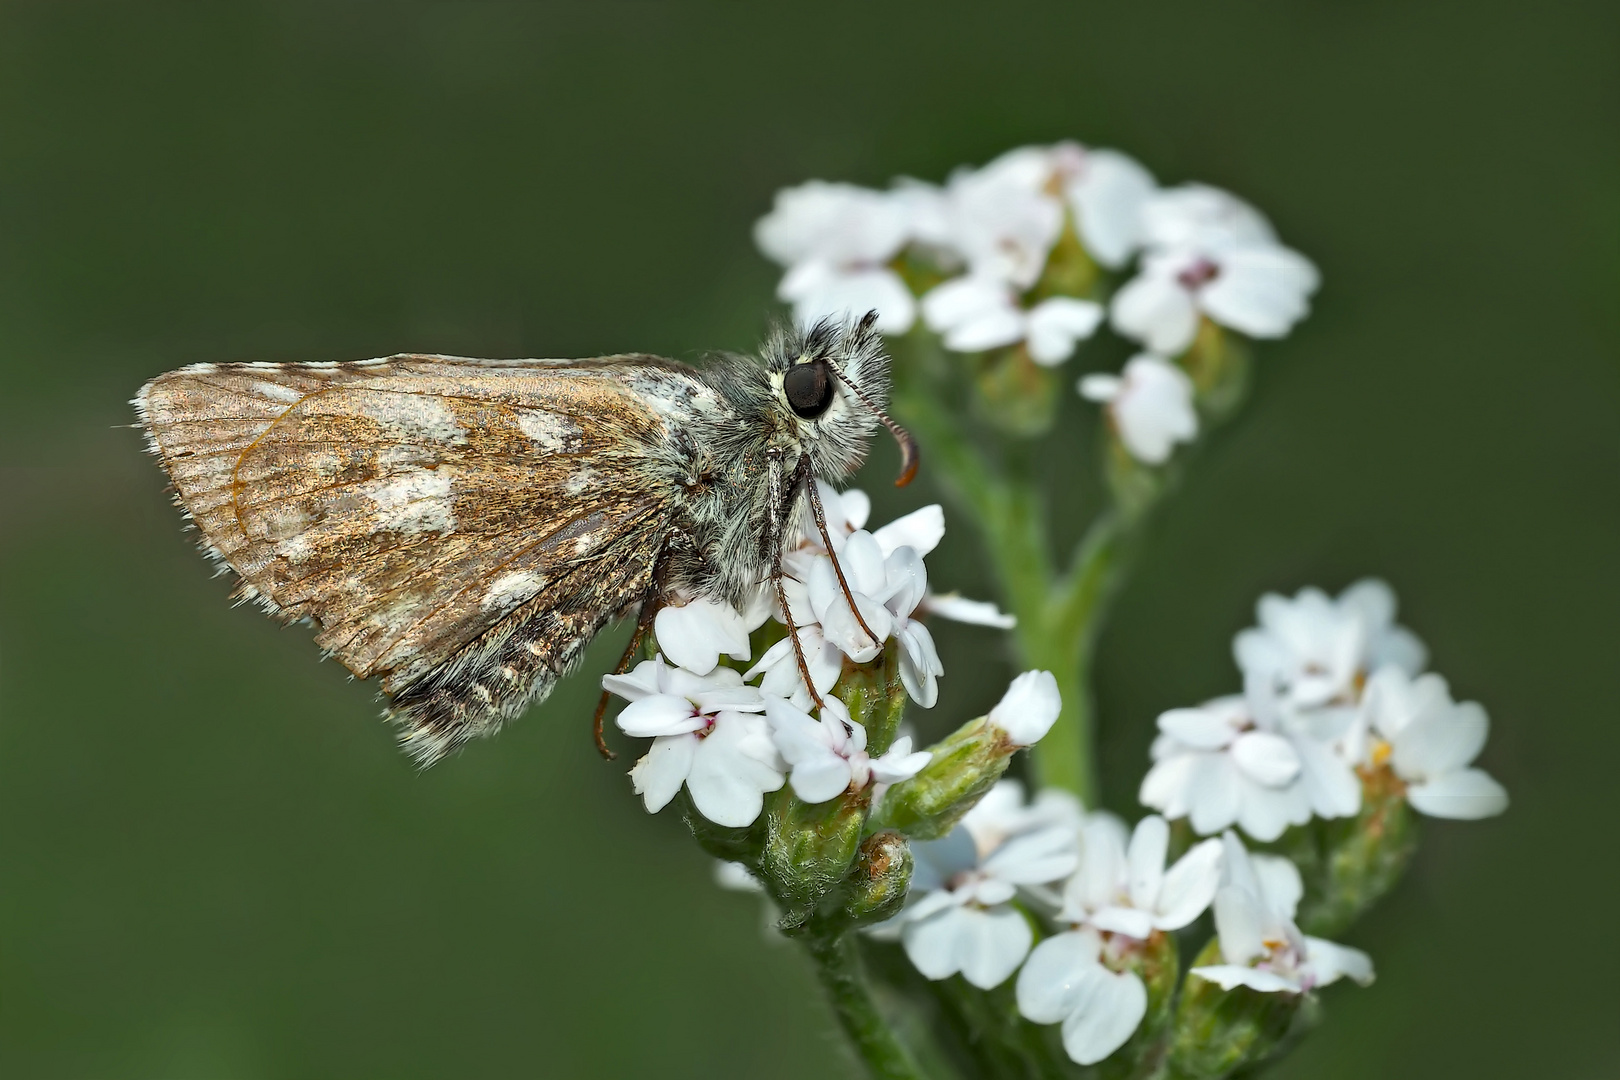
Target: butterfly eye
809	389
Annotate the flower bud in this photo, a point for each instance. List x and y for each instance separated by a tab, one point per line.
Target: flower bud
1360	859
877	882
807	851
964	766
875	697
1217	1031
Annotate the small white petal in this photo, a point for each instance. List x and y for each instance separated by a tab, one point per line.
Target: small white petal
921	531
1155	310
1124	920
1240	924
973	612
1228	976
1101	387
1055	325
1189	886
1328	962
1048	986
660	715
1280	883
1467	794
1150	843
660	773
996	943
1110	1009
1029	708
1266	758
1201	729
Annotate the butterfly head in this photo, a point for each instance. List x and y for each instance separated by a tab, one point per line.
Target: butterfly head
831	384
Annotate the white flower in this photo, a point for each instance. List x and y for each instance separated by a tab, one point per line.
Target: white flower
706	733
1029	708
828	756
1123	891
1150	404
1109	193
836	240
694	634
1261	946
1315	651
960	917
1003	813
1065	980
886	591
978	312
1241	760
1431	741
1123	888
780	665
1002	219
1259	289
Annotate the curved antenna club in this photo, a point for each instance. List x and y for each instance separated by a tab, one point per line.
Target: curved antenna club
909	458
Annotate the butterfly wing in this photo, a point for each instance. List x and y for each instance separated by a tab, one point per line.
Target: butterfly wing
459	528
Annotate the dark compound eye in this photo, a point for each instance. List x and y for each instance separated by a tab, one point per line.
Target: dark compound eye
809	389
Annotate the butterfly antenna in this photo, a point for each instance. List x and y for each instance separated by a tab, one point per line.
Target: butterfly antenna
908	445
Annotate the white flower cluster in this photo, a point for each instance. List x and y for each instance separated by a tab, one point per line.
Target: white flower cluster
1108	894
994	231
730	737
1331	689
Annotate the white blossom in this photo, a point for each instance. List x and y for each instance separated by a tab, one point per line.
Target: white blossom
1120	894
828	756
1003	218
1259	289
1315	651
960	918
1150	404
694	634
1109	193
1029	708
978	312
1242	760
1431	742
1003	812
1261	948
706	733
836	241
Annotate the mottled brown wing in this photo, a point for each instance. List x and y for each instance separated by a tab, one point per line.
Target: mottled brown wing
459	528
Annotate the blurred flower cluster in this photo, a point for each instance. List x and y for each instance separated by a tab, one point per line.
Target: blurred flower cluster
1018	254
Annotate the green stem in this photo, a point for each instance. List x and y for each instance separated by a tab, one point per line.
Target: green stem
838	965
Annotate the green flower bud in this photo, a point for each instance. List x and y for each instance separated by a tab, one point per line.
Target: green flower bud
877	883
875	697
808	849
965	765
1353	862
729	844
1218	1031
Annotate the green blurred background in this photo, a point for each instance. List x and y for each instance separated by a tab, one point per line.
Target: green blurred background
215	864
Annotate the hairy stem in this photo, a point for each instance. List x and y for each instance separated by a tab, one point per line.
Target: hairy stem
838	965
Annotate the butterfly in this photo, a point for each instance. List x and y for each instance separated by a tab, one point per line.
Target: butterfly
461	529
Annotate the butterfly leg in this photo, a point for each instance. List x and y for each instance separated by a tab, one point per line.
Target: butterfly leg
826	538
782	510
644	620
